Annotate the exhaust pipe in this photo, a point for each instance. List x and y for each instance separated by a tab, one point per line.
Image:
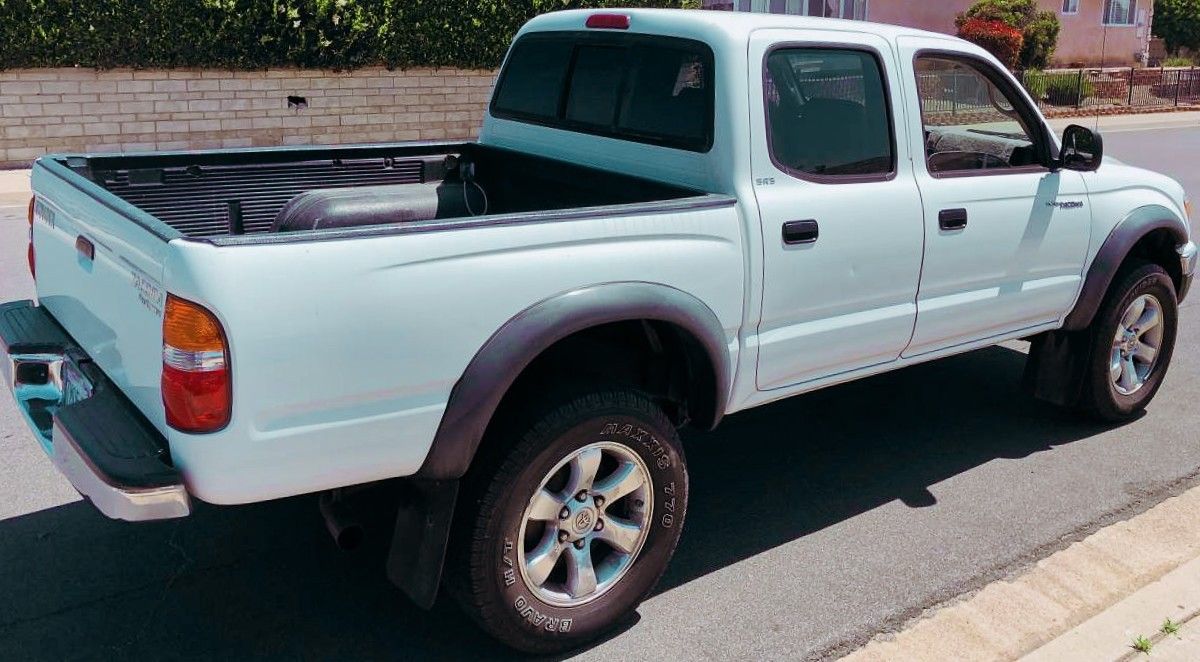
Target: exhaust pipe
347	532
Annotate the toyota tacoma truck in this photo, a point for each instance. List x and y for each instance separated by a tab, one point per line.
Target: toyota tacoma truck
669	216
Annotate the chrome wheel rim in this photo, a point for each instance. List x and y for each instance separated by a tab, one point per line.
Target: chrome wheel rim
1136	345
585	524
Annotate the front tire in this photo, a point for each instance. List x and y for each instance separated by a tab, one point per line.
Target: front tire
569	531
1133	339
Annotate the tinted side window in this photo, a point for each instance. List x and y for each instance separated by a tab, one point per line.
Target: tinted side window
656	90
970	123
534	78
827	113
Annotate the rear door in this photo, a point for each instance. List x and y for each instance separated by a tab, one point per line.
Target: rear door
100	274
840	211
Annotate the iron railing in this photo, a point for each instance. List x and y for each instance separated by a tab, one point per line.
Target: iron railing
1113	88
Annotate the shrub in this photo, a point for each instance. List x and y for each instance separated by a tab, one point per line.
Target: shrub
1058	89
253	34
1179	61
1039	28
996	37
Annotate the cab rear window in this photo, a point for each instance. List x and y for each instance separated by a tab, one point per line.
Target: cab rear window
649	89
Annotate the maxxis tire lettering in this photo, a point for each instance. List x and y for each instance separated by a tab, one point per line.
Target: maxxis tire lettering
662	458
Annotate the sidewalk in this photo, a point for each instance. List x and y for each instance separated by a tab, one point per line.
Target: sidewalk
14	187
1088	602
1123	123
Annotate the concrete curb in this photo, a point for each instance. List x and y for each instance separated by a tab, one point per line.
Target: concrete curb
1014	617
1110	634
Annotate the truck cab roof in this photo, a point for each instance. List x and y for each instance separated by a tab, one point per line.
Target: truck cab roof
725	27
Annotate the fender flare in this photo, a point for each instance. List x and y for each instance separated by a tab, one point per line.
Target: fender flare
1116	247
496	366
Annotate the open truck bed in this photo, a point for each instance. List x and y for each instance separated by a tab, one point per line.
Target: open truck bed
210	195
348	297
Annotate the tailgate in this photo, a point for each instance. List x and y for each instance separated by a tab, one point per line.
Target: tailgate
99	273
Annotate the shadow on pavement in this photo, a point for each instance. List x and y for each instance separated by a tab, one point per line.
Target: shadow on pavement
265	581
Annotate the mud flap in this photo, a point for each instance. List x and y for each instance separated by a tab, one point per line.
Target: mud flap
419	542
1054	372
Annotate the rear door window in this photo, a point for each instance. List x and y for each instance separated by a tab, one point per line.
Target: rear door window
642	88
828	115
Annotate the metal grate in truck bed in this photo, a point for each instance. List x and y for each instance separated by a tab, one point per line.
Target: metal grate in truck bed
196	199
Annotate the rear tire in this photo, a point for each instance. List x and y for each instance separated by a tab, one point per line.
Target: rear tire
540	559
1133	339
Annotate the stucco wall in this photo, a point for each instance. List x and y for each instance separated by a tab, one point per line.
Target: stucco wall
935	15
1080	42
1083	37
57	110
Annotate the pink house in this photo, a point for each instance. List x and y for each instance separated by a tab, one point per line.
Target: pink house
1094	32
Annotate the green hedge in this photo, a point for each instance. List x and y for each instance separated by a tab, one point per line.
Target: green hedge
1058	89
253	34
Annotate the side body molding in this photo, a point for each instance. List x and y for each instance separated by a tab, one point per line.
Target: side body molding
515	345
1139	223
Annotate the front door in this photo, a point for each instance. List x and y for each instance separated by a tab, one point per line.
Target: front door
840	211
1005	238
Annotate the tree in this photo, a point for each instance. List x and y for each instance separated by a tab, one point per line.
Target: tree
1178	23
1039	28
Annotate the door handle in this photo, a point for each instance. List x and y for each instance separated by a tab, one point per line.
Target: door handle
952	219
800	232
85	248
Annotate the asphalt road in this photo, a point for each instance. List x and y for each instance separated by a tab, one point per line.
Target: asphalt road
815	522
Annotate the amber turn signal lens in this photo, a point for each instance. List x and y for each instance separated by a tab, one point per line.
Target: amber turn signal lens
191	328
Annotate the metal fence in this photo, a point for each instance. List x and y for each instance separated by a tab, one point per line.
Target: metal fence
953	92
1113	88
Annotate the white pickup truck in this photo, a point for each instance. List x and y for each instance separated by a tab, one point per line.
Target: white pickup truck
668	217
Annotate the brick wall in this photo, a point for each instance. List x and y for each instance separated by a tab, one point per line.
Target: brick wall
57	110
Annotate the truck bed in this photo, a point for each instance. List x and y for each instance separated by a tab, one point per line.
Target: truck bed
235	192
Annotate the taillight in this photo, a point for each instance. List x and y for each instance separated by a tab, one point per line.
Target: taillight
196	388
608	21
29	253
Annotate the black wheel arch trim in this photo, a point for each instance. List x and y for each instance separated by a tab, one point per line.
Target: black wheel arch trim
496	366
1116	247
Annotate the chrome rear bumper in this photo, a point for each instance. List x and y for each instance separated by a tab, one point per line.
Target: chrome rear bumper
91	432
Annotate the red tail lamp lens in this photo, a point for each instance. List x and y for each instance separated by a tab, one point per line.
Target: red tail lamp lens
29	253
196	388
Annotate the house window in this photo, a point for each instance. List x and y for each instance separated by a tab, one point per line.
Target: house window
1070	7
853	9
1119	12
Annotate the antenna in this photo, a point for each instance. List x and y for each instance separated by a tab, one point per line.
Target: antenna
1103	45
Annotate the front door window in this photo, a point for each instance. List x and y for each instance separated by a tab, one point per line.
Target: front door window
970	124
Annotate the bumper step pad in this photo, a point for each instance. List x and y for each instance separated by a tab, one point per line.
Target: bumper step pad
97	438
